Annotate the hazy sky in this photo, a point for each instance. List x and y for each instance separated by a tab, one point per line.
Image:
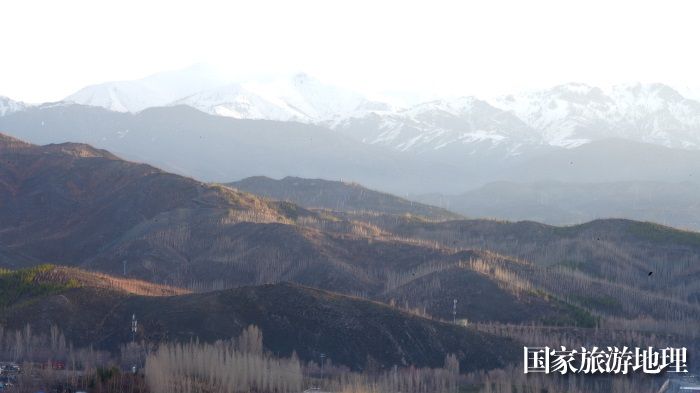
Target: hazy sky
52	48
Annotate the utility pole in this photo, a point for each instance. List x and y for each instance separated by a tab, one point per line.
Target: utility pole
454	312
134	326
124	262
323	356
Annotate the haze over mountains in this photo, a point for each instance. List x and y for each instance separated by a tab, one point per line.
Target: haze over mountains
437	151
559	203
215	148
566	116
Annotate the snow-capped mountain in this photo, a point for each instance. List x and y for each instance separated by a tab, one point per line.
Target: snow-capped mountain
565	116
156	90
466	124
8	106
298	98
574	114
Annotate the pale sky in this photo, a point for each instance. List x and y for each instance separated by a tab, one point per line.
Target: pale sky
52	48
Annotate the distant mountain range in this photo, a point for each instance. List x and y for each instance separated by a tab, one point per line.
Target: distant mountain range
565	116
214	148
591	150
562	116
299	97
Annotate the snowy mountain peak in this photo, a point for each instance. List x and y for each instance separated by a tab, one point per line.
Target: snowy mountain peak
299	97
569	115
155	90
466	124
8	106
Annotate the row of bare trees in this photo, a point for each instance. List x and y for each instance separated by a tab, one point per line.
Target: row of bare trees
407	379
224	366
27	345
241	365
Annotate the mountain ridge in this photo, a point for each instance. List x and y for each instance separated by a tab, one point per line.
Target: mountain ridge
338	196
566	115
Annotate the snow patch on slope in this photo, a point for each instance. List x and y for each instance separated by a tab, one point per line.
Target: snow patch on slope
297	98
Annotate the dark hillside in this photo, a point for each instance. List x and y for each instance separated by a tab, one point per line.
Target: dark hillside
291	317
